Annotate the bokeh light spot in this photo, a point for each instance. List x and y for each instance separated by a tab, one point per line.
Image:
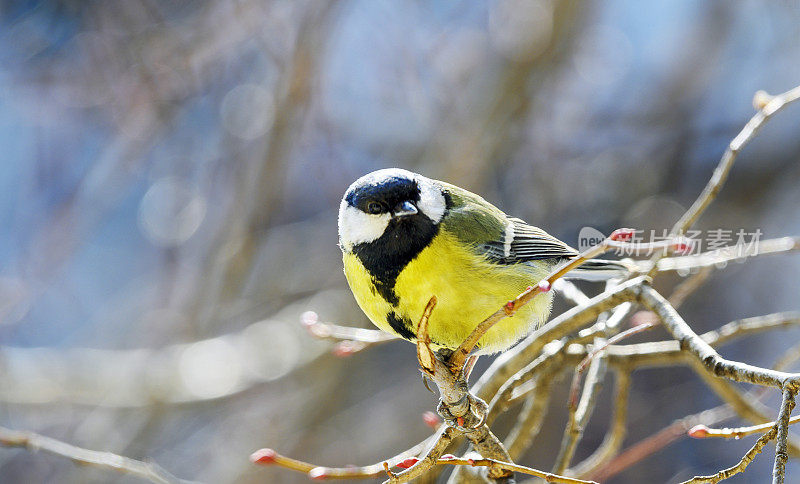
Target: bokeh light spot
247	111
270	349
211	368
171	211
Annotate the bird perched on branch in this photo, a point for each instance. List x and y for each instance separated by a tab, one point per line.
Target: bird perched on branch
405	238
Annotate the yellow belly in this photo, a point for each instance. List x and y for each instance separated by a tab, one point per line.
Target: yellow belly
468	289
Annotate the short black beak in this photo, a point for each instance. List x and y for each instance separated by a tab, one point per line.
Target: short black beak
404	209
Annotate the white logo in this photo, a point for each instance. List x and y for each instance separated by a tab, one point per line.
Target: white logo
589	237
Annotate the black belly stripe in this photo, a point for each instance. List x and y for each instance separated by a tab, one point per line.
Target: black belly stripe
386	292
400	325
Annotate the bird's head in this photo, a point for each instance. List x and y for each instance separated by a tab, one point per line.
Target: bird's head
393	206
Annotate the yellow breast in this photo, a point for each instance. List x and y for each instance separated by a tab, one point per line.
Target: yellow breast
468	288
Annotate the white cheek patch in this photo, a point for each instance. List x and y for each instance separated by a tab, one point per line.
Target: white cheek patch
357	227
431	201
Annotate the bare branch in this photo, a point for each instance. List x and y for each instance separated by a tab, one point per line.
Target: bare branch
445	435
104	460
516	358
267	457
570	292
528	369
690	341
616	434
530	418
782	436
689	286
703	432
496	464
720	257
778	430
741	466
424	352
322	330
720	174
579	413
676	430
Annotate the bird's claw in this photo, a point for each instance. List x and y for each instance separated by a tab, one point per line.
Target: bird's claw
474	418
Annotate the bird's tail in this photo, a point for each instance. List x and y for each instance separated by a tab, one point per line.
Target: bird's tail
601	270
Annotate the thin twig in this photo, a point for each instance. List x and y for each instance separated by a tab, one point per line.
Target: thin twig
689	286
740	466
782	436
443	438
616	433
530	418
720	257
745	405
350	340
323	330
513	360
720	174
496	464
424	352
104	460
652	444
579	413
570	292
268	457
597	349
689	340
703	432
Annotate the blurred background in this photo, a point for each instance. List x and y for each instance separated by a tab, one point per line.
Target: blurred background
171	173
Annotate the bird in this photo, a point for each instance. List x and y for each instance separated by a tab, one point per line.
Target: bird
405	238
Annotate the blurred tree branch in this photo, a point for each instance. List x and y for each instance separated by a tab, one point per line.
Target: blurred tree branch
105	460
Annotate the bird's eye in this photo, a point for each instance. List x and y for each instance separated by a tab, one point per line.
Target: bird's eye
374	208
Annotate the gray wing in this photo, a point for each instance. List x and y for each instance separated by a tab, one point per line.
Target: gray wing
522	242
511	241
530	243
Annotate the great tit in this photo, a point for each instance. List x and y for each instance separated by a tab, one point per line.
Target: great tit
405	238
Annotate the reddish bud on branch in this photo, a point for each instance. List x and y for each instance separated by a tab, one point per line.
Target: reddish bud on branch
343	349
407	463
263	457
622	235
544	285
682	246
698	432
346	348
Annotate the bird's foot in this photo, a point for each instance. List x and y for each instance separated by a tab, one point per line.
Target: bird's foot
468	413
